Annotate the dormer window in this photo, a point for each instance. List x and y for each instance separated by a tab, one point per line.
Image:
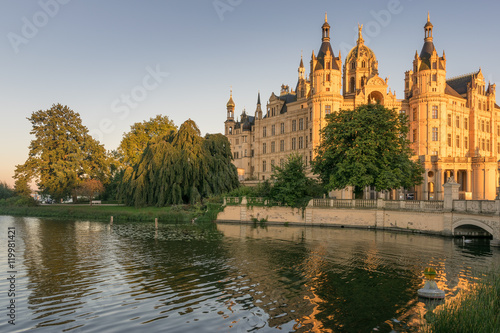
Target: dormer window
353	65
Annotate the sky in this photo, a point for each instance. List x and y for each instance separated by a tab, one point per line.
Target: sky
118	62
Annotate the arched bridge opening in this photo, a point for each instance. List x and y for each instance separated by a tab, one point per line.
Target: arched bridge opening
474	229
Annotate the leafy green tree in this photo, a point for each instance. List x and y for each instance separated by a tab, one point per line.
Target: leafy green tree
21	187
367	146
180	168
5	191
134	142
62	153
291	185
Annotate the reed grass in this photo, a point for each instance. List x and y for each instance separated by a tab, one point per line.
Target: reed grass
476	311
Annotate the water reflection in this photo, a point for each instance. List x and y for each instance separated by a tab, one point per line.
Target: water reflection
90	277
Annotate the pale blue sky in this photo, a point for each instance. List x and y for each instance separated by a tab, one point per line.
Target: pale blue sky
90	54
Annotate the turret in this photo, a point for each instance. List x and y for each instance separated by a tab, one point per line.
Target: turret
258	110
229	123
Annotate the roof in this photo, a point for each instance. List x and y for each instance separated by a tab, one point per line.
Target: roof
459	83
427	50
325	46
450	91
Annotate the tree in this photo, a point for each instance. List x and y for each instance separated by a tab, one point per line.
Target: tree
291	185
62	153
90	188
5	191
367	146
134	142
180	168
21	187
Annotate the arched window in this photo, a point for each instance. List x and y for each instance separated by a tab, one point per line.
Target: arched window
230	130
352	84
353	65
363	64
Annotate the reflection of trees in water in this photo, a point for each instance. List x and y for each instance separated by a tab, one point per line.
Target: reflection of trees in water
62	265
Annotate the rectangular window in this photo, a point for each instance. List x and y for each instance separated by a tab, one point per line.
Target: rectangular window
466	123
301	124
414	135
457	122
482	126
434	112
273	130
498	148
273	147
487	127
449	140
264	166
294	125
434	77
282	128
414	114
328	109
294	143
488	145
458	141
498	130
264	148
482	144
301	142
466	142
272	164
449	119
434	134
282	145
264	131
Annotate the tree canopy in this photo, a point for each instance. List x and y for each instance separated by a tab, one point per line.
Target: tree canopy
367	146
291	185
61	153
136	140
180	168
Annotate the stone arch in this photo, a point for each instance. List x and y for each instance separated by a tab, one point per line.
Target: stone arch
476	223
376	97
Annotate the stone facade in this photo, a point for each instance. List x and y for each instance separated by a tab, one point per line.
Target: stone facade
454	123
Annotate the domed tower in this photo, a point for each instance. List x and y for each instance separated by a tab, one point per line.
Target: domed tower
360	65
429	70
229	123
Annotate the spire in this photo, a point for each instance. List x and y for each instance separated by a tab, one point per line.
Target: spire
326	18
230	103
326	30
428	47
258	98
428	29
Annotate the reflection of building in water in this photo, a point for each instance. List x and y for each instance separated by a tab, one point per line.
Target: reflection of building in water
454	126
349	279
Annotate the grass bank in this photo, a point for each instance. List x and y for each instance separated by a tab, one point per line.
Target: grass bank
475	311
172	214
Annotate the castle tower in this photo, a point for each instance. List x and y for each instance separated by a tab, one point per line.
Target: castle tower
429	70
325	84
229	123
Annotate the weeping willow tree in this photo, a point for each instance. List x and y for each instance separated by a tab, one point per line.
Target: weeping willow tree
180	167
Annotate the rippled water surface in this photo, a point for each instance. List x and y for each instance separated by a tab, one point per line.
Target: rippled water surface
90	277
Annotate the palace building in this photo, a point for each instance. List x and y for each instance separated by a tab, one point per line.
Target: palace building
454	122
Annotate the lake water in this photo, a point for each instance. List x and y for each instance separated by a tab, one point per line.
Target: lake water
80	276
